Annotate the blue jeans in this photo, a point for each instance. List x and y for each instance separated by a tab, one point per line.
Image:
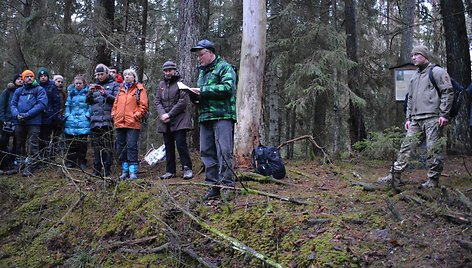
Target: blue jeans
127	144
216	150
179	139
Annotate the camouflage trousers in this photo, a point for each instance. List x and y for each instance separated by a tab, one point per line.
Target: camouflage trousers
423	130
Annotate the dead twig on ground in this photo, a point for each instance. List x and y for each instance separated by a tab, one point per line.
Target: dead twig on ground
130	242
251	176
247	190
464	199
235	244
310	138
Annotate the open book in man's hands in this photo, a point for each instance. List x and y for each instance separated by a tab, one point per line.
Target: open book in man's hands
190	90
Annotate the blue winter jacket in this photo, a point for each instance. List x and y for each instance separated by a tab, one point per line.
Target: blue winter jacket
101	105
77	112
30	100
51	112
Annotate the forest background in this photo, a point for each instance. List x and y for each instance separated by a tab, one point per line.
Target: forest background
326	67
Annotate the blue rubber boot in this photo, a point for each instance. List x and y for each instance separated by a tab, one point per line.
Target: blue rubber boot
133	171
125	171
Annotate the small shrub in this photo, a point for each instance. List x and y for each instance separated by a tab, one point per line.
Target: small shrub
381	145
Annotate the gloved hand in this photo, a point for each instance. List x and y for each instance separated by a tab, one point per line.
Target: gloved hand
22	116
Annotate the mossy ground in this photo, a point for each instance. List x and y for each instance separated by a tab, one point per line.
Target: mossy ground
341	225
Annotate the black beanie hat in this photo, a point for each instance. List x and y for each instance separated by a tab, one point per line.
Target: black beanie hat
16	77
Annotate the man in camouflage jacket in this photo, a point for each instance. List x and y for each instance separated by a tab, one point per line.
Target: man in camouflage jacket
216	115
426	115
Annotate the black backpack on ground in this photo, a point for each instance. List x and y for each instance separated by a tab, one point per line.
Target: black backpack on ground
268	162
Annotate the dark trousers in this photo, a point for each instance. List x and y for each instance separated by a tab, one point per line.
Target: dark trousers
76	148
171	140
28	133
127	144
45	132
216	150
102	142
7	155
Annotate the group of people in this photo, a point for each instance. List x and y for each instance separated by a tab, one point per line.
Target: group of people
36	110
44	117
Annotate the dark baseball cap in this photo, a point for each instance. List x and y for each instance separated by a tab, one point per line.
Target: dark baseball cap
204	44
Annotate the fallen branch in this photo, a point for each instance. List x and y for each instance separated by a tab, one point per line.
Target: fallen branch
298	172
247	190
251	176
235	244
130	242
159	249
81	198
409	198
464	199
310	138
365	185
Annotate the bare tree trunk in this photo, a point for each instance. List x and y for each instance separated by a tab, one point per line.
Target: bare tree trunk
105	16
356	120
408	19
191	21
249	94
458	66
142	42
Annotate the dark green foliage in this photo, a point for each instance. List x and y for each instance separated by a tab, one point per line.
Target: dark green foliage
381	145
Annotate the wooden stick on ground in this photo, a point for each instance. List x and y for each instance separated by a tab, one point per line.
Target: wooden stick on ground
249	190
235	244
312	141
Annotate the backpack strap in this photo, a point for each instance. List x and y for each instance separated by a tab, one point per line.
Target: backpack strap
433	81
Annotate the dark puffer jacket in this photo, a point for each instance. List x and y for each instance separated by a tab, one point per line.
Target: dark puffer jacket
5	107
30	100
51	113
101	104
173	101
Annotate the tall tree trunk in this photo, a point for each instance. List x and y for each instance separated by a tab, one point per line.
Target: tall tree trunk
249	94
458	66
408	21
356	120
192	20
142	42
105	14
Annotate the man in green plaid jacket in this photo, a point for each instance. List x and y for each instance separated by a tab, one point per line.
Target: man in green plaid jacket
216	115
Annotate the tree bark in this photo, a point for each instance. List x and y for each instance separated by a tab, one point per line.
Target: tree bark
408	21
141	64
458	66
105	16
356	117
192	20
249	93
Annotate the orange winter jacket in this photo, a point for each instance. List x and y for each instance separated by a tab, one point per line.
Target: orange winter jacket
126	111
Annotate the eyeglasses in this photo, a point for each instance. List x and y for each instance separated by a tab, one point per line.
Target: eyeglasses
201	53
